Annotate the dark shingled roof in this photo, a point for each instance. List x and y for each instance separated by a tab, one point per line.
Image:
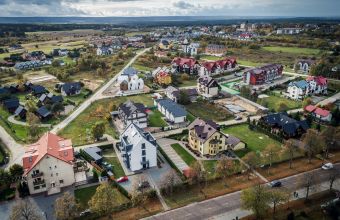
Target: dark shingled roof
38	89
19	110
43	112
11	103
130	107
208	81
204	129
71	88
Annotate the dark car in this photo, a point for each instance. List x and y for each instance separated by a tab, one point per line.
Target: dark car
275	183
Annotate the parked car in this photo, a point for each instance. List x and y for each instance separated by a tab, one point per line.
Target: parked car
275	183
122	179
327	166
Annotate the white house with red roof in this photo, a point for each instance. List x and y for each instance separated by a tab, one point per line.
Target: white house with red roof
319	113
317	84
48	164
185	65
216	67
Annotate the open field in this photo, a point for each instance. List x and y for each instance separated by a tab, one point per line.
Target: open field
79	130
256	141
297	50
141	67
272	102
208	111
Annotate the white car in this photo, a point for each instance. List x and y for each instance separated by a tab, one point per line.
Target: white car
327	166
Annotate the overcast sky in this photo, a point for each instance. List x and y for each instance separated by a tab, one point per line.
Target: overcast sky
299	8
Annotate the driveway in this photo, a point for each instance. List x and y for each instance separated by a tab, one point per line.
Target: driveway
16	150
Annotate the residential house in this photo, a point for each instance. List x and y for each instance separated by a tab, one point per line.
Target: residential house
31	64
319	113
43	113
38	90
131	112
318	84
11	104
173	112
216	67
138	148
304	65
191	49
50	98
215	49
263	74
207	87
133	83
104	50
34	56
69	89
162	76
63	52
174	93
164	45
20	112
298	89
48	164
281	123
185	65
206	138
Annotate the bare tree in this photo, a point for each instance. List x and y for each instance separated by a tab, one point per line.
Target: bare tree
196	173
168	181
224	167
308	181
313	143
291	149
332	176
25	210
66	207
253	160
278	196
271	153
329	135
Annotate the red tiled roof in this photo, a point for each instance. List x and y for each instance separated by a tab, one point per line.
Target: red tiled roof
321	112
310	108
181	61
49	144
163	74
209	65
320	80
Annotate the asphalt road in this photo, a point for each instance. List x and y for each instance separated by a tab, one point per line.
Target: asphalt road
221	206
97	95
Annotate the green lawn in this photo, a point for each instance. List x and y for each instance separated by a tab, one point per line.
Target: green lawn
208	111
155	119
248	63
79	130
190	117
296	50
256	141
272	102
110	156
188	158
84	195
185	83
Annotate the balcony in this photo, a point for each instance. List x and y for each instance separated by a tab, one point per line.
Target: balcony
35	175
38	182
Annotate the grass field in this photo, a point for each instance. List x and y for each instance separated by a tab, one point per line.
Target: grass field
296	50
248	63
155	119
79	130
141	68
272	102
84	195
207	111
192	82
256	141
188	158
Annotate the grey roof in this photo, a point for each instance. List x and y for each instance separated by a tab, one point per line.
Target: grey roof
204	129
94	152
172	107
19	110
130	71
43	111
232	140
130	107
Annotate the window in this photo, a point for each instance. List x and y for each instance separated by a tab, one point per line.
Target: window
143	152
55	166
43	186
56	174
143	146
51	174
61	181
50	168
36	187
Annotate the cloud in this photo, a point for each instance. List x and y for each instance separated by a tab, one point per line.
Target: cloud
183	5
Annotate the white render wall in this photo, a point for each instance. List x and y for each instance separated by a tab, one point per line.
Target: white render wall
136	155
53	170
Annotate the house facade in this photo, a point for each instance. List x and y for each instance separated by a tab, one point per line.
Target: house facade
304	65
319	113
185	65
48	164
298	90
162	76
261	75
130	112
191	49
206	138
138	148
173	112
104	50
215	49
216	67
133	83
318	84
207	87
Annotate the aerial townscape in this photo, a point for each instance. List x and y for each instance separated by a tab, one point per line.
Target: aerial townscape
169	110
